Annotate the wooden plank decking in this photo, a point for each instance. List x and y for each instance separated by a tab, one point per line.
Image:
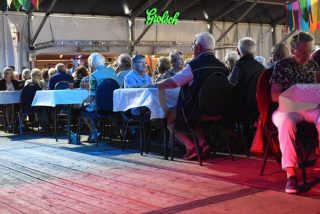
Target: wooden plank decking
38	175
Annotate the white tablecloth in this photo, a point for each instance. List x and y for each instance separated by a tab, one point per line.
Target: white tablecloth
300	97
158	101
9	97
59	97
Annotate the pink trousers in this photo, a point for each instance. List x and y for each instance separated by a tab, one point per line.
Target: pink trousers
286	124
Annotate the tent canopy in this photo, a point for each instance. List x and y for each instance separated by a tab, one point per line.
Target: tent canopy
265	12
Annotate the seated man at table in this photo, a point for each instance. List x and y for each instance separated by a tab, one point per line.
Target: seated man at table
100	72
138	77
287	72
190	80
61	75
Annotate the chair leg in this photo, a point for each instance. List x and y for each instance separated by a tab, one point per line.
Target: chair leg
20	122
172	143
125	136
141	141
265	156
110	130
55	124
79	130
196	143
244	140
144	137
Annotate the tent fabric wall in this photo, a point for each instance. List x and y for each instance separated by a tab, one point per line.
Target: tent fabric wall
90	28
14	42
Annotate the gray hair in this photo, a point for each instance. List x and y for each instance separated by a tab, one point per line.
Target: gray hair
124	60
206	40
59	67
232	56
300	37
246	46
6	71
51	72
25	72
96	59
34	72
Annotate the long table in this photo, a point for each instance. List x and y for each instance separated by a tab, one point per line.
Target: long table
158	101
10	98
52	98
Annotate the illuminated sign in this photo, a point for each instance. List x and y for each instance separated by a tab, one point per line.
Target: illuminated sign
153	17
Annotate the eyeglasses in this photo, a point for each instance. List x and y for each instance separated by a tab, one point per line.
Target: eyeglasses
140	62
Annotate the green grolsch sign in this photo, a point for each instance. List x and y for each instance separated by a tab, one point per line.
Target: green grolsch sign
153	17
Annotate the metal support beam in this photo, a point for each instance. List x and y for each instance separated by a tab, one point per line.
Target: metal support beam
145	30
238	20
274	2
278	21
142	8
34	38
228	10
131	23
287	36
189	7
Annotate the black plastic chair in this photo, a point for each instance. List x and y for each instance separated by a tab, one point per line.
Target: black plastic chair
104	105
213	107
27	95
62	85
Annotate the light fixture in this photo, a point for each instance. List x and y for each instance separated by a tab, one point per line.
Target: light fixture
126	9
130	22
61	56
208	26
205	15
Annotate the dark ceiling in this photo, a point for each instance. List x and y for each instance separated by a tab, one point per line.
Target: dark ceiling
266	11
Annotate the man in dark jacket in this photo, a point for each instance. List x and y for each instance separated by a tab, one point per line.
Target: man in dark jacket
190	79
61	75
244	77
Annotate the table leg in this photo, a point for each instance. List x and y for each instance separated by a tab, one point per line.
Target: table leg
69	121
14	119
165	142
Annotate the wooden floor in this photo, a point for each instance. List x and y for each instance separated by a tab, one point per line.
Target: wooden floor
39	175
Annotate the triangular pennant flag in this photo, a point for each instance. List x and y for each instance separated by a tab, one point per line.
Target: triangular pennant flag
296	14
17	4
304	10
290	20
25	4
314	15
9	3
35	3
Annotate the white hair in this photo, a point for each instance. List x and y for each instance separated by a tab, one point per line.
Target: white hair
206	40
59	66
96	59
34	72
124	60
25	72
232	56
246	46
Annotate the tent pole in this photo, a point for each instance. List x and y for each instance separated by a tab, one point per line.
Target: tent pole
34	38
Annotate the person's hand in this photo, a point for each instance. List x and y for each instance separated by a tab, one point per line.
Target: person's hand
151	86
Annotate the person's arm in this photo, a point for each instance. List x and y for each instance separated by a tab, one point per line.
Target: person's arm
234	76
181	78
276	90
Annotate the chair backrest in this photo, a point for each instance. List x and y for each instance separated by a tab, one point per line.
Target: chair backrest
251	101
214	95
61	85
104	95
27	95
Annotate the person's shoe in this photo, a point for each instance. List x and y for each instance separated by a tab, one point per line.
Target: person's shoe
91	136
292	185
190	154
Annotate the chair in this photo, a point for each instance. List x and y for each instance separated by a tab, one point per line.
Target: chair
213	109
27	95
246	124
136	121
104	103
269	136
62	85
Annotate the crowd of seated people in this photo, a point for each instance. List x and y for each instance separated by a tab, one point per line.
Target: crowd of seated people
241	68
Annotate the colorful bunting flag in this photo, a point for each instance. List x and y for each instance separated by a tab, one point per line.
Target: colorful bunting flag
9	3
35	3
314	15
17	4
